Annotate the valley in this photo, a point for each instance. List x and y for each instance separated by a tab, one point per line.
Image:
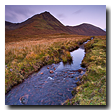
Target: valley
43	40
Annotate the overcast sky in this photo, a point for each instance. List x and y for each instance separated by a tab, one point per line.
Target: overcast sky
67	14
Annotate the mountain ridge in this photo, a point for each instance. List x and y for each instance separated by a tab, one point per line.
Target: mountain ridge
87	29
45	23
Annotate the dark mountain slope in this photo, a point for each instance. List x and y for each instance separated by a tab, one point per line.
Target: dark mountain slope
11	26
45	23
86	29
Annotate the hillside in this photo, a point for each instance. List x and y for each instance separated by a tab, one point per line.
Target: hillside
86	29
45	23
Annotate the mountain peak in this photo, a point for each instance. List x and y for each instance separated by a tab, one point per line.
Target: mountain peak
46	23
45	13
85	24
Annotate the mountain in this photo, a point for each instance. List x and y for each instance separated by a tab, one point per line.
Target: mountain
45	23
86	29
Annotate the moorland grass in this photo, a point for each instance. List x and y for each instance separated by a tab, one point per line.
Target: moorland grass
27	56
92	90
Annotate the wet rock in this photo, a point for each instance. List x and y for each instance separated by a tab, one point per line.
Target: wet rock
24	99
51	71
79	70
41	73
45	81
54	68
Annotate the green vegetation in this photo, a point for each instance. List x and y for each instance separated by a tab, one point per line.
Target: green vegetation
25	57
92	90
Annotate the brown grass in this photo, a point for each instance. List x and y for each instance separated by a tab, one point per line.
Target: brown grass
26	56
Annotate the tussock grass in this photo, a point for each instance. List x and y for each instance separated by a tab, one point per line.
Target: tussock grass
93	88
24	57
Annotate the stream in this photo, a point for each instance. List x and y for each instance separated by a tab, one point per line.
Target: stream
52	85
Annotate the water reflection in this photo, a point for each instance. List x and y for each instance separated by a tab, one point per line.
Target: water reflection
77	57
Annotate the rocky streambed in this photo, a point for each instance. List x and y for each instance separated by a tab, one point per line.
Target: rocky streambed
52	85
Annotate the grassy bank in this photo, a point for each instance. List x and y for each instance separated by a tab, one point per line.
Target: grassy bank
92	90
27	56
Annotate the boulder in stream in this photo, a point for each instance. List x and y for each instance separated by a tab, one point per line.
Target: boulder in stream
24	99
51	71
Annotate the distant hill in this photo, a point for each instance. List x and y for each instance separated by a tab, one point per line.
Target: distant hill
45	23
86	29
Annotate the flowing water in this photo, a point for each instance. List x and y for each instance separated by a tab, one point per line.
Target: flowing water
52	85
